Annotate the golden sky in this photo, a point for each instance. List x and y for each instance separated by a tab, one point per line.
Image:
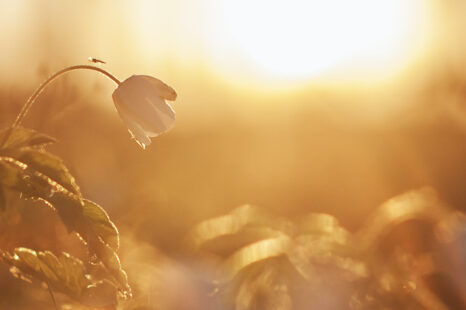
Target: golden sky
265	55
256	41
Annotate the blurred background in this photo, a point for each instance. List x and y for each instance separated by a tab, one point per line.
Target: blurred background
293	106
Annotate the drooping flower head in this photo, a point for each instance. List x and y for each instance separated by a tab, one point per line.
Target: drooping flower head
140	101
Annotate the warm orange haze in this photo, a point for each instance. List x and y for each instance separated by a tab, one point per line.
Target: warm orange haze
317	159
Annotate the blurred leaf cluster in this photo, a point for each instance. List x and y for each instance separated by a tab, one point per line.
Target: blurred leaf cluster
409	255
26	167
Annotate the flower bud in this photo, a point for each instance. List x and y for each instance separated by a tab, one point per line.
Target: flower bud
140	101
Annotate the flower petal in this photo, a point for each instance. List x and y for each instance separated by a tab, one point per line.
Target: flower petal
142	101
165	91
136	131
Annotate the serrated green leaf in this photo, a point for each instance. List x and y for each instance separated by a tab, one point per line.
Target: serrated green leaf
111	261
69	208
10	175
108	257
13	175
66	273
21	137
73	269
99	222
27	258
49	266
33	184
47	164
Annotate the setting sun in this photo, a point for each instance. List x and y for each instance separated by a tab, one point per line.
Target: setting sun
303	39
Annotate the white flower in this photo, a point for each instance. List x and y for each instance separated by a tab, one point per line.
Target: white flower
140	101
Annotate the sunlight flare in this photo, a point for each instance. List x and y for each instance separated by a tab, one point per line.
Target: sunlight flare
302	39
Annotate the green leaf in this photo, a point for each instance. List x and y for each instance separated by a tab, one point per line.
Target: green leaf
65	274
417	204
256	252
50	266
47	164
13	174
69	208
27	258
10	173
33	184
321	224
99	222
223	225
235	222
20	137
73	270
111	261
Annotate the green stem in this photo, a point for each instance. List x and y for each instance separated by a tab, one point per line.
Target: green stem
49	288
38	91
31	100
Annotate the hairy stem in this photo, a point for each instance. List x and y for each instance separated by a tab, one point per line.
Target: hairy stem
38	91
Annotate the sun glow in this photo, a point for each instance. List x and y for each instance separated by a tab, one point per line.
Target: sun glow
304	39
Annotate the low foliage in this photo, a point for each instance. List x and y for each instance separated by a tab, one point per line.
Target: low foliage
26	167
267	262
406	256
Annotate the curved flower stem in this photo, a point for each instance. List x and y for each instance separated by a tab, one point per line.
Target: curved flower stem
38	91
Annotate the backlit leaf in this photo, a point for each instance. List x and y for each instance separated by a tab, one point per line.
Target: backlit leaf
49	165
36	174
111	261
256	252
27	258
30	184
20	137
99	222
73	270
419	204
65	274
233	223
50	266
10	173
222	225
320	224
68	206
225	245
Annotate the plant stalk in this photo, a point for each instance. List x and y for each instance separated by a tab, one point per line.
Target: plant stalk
27	106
